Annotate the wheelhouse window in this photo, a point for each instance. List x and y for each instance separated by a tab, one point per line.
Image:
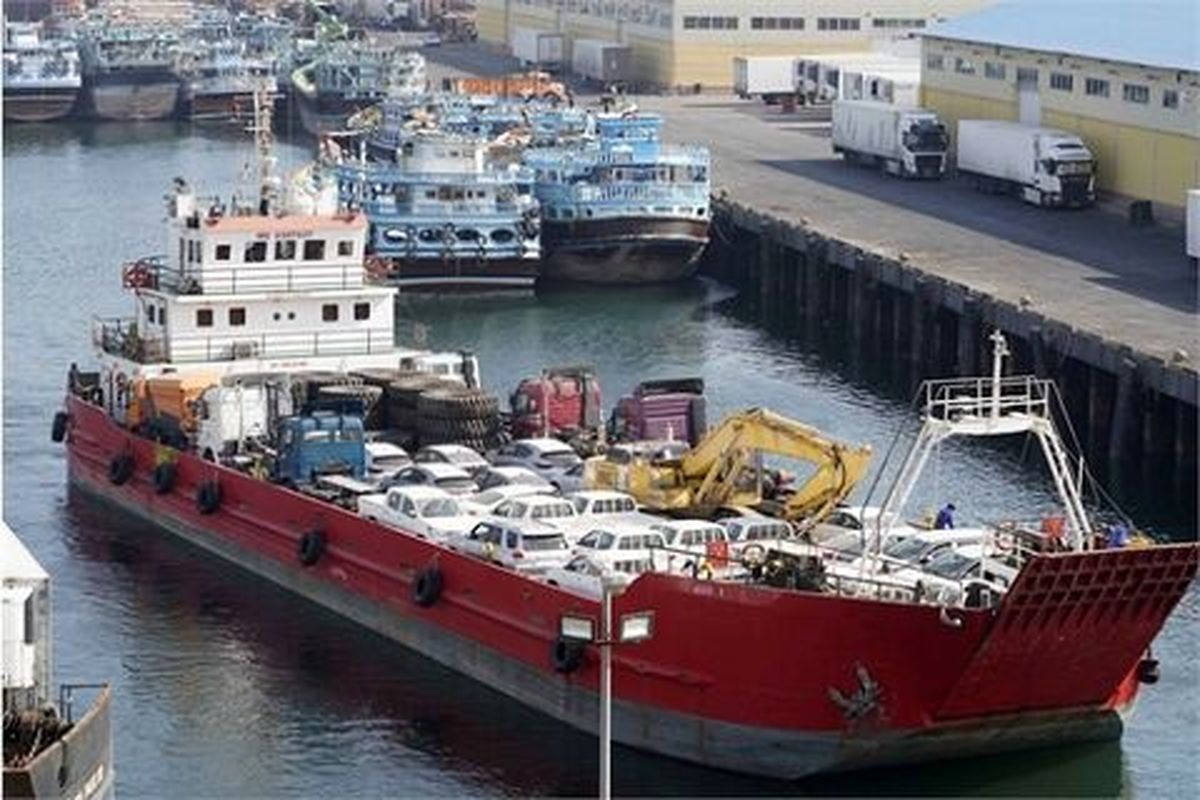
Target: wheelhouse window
256	252
285	250
314	250
329	312
237	316
346	248
204	317
223	252
361	311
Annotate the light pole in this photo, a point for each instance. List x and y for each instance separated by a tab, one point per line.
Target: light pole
634	627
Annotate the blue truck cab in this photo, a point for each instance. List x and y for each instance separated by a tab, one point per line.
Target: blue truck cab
320	444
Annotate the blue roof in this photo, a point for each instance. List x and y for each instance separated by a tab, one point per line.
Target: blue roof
1152	33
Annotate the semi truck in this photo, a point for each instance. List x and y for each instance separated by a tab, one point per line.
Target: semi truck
908	142
538	49
1042	166
601	60
773	78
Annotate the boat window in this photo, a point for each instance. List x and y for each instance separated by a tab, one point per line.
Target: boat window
285	250
150	313
362	311
329	312
204	318
162	316
237	316
430	235
502	235
314	249
346	248
255	252
467	234
181	251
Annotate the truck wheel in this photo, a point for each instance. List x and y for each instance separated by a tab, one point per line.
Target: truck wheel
208	497
58	429
311	547
120	469
427	587
164	477
566	655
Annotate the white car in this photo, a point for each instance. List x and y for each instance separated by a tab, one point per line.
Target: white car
761	531
385	459
584	575
549	458
495	477
693	544
457	455
526	546
962	575
621	547
855	518
487	501
424	510
602	502
544	508
444	476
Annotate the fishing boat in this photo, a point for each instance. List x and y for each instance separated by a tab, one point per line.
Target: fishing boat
619	205
349	76
54	747
220	78
129	69
42	78
768	669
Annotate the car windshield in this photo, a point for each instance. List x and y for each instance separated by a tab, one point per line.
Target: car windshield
553	511
951	565
439	507
541	543
850	543
452	484
562	458
909	549
527	479
466	457
390	462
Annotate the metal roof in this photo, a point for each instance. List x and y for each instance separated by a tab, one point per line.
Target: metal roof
1152	33
16	562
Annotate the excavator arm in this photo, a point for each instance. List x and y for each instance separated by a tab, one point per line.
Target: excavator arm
717	462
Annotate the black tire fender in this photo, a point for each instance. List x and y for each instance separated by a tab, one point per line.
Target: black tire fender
164	477
120	468
566	655
208	497
427	587
58	429
311	547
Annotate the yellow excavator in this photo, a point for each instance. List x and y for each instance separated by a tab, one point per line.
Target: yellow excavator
723	468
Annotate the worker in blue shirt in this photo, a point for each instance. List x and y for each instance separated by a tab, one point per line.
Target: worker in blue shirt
945	518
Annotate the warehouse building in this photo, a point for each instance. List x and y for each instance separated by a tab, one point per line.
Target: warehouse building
1124	76
680	43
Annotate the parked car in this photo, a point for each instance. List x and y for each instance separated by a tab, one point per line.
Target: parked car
486	502
456	455
694	544
526	545
444	476
424	510
622	547
583	575
856	518
602	502
570	480
547	457
493	477
548	509
757	530
385	459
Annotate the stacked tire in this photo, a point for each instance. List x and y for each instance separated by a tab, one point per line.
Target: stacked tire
458	415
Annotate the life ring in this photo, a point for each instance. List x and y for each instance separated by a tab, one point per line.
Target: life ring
120	468
311	547
164	477
427	587
566	655
58	429
208	497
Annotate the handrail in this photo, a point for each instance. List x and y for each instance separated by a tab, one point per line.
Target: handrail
153	272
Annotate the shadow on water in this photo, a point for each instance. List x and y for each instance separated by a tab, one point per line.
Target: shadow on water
338	675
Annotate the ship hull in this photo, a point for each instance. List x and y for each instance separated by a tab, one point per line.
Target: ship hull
38	105
685	694
626	250
79	765
220	105
325	113
463	274
134	96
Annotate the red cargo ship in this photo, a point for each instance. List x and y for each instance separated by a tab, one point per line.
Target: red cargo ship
751	675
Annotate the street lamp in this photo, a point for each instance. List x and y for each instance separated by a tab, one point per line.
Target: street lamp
634	627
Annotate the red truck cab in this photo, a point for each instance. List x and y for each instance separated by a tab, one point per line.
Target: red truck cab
562	401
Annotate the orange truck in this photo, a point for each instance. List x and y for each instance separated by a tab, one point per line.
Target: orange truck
518	84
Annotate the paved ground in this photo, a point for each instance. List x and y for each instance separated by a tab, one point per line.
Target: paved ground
1086	268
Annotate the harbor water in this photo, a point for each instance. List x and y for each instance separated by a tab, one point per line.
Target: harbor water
228	687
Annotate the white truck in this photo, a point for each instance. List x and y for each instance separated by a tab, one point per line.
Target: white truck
537	49
601	60
1193	226
773	78
1042	166
908	142
230	416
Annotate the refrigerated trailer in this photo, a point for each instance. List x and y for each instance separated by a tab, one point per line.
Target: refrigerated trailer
1042	166
534	48
773	78
601	60
908	142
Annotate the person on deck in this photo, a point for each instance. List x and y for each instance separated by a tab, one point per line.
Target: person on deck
945	518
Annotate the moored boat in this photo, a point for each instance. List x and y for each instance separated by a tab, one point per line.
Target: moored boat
129	70
42	78
349	76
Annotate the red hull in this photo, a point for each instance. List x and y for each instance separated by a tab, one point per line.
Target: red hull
738	677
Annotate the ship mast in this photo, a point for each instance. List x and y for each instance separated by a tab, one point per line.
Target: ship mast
264	141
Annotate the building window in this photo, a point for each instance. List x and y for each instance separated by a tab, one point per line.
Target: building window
777	23
1096	87
223	252
693	23
1135	93
935	61
1027	76
285	250
314	250
963	66
329	312
838	23
1062	81
994	70
362	311
255	252
345	248
1170	98
237	317
892	23
204	318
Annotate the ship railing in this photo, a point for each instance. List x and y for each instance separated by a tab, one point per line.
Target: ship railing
651	192
190	349
488	210
154	273
956	398
119	336
396	175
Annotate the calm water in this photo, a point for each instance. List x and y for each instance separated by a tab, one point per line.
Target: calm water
225	686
